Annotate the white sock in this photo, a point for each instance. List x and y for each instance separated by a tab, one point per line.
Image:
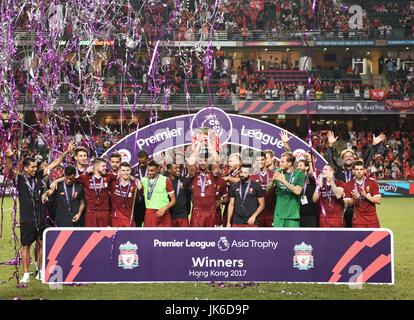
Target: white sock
36	266
26	277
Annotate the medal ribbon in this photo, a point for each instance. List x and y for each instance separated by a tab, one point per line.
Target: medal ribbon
178	187
202	182
124	196
31	187
243	197
362	186
94	186
348	177
152	187
267	177
67	195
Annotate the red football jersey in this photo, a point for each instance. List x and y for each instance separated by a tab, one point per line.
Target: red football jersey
221	187
206	203
263	180
96	194
169	186
333	207
122	203
365	211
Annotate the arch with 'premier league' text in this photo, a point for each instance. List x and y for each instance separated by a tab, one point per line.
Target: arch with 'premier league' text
232	129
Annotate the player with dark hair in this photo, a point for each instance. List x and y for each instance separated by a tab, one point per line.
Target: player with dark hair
204	187
364	194
263	177
32	216
81	158
222	197
114	161
246	200
123	194
181	209
309	210
143	160
159	197
270	159
68	198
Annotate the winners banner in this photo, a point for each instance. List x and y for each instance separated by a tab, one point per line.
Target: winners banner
105	255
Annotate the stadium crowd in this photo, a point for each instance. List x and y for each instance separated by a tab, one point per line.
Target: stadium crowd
240	19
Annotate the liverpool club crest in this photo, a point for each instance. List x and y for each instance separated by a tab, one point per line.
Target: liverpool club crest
128	257
303	259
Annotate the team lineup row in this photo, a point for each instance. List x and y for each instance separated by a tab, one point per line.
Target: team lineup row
288	195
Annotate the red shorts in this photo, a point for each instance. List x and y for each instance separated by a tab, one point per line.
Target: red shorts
122	222
265	220
203	219
331	222
243	226
98	219
152	220
180	223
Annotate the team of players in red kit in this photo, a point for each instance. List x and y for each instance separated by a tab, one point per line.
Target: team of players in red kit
211	194
166	197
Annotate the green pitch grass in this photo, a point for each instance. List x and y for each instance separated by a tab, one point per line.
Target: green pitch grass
395	214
